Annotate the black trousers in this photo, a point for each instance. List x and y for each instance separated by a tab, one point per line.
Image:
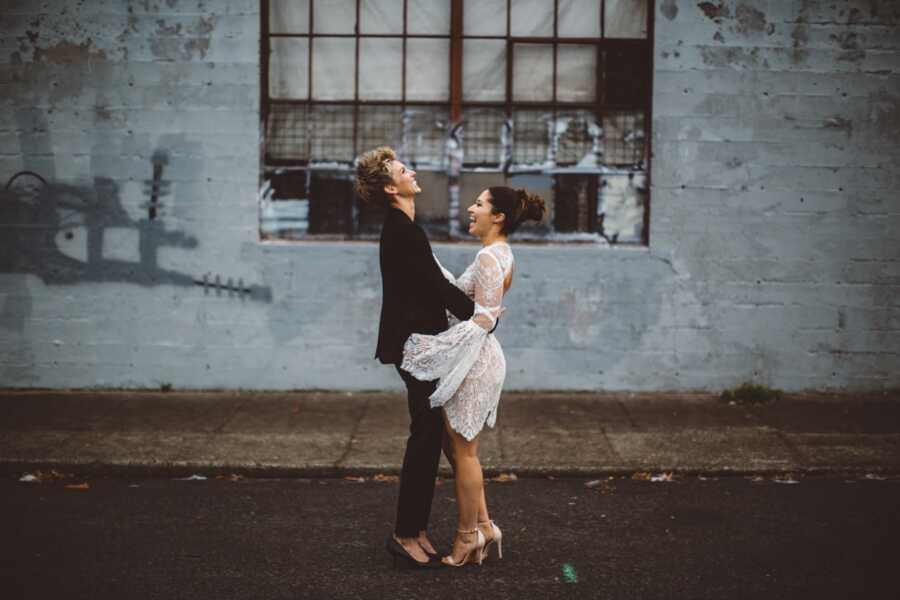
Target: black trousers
420	461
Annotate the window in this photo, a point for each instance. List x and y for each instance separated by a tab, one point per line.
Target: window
553	95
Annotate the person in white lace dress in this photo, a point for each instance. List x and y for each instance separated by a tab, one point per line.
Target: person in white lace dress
469	362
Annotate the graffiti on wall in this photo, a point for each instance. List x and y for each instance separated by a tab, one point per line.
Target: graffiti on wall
61	232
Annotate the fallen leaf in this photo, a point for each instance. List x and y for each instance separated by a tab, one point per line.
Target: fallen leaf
354	479
593	484
78	486
505	477
231	477
641	476
383	477
875	477
663	477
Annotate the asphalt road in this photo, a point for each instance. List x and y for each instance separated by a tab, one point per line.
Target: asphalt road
623	538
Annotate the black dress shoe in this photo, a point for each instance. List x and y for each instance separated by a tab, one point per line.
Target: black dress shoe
403	557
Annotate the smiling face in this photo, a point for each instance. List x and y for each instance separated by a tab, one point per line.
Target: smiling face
481	217
403	181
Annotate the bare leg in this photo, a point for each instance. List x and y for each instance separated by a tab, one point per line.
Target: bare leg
484	517
469	485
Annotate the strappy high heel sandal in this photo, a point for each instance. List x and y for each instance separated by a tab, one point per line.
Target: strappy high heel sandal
475	553
496	536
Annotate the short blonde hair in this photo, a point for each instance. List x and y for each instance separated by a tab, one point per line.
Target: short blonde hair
373	172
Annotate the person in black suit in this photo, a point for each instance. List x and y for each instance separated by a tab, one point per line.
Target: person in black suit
416	296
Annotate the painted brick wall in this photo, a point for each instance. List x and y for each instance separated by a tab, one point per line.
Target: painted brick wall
774	254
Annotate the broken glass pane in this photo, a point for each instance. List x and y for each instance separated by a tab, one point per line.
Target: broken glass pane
380	16
428	16
484	17
484	70
627	79
575	203
288	68
334	16
579	142
289	16
579	18
334	63
427	69
626	19
576	73
330	202
623	197
380	68
532	18
532	72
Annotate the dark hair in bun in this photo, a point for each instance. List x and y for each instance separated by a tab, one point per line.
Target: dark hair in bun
518	206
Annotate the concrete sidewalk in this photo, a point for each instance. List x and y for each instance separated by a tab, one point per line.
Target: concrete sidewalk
337	434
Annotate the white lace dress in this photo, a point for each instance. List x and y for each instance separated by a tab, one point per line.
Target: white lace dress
467	359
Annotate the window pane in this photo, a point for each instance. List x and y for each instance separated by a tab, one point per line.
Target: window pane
579	18
379	126
533	72
286	132
333	68
428	16
623	137
381	16
530	137
289	68
334	16
575	204
424	135
484	70
483	136
626	18
484	17
626	81
532	17
427	69
289	16
380	68
576	73
331	133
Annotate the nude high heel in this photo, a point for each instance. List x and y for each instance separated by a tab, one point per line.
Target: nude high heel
496	536
476	552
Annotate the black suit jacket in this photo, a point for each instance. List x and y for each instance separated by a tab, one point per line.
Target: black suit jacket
415	294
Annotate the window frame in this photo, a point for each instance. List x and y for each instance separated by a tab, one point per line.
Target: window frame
456	105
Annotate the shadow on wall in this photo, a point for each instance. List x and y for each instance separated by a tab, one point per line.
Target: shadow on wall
57	232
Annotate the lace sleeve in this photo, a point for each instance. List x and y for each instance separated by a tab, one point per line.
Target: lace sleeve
488	290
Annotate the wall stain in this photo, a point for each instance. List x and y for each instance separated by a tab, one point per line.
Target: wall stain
750	20
67	53
714	11
669	9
